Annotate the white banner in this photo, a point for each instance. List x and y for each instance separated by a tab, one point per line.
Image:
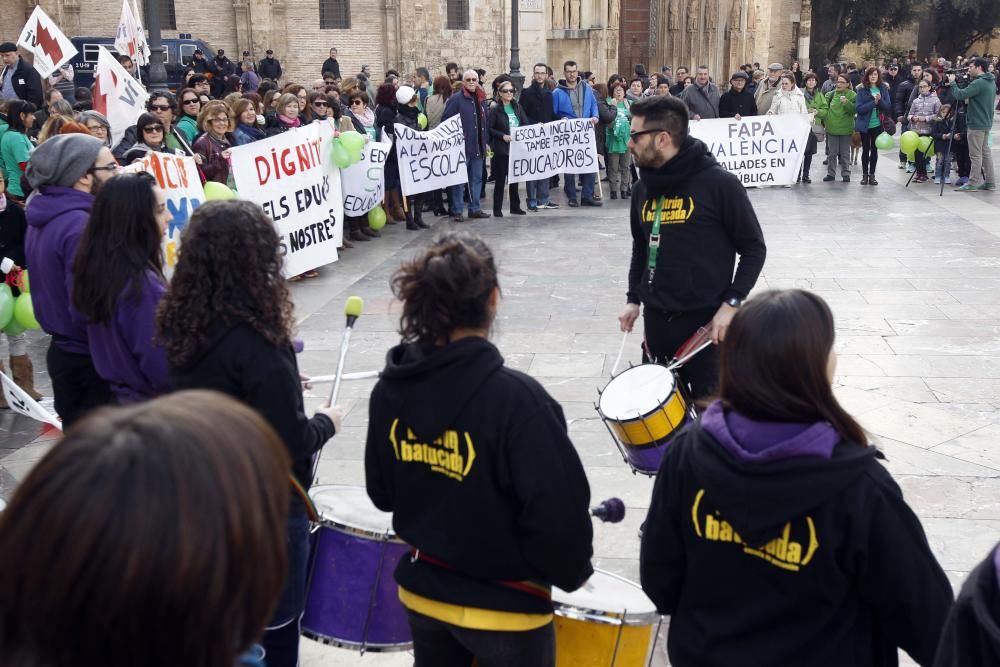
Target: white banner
431	160
117	95
364	181
177	176
286	175
23	404
130	39
50	47
760	150
566	146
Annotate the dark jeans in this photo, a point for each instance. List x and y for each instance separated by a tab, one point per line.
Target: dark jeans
666	332
281	638
77	387
869	151
439	644
499	169
962	159
921	161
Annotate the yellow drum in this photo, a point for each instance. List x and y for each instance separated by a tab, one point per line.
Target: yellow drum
608	622
643	408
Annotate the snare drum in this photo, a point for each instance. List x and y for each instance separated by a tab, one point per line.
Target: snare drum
608	622
352	600
643	408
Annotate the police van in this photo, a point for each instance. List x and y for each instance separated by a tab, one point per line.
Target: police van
179	53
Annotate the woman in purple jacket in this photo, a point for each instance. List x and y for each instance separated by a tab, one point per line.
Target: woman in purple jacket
118	283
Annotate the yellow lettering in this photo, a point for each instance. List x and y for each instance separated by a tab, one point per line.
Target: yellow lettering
407	451
794	554
726	532
711	528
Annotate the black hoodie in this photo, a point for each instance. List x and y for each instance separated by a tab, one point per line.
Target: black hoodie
707	219
475	464
800	561
971	635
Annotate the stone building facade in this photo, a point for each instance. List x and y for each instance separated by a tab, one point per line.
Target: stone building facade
603	36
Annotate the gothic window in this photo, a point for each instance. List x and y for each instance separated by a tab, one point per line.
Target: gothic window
168	15
458	14
334	14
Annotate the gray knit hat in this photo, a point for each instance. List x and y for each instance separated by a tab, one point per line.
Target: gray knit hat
62	160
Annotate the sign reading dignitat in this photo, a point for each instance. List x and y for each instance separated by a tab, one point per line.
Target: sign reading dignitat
690	218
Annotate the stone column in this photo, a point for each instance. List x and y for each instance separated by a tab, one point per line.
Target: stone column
805	30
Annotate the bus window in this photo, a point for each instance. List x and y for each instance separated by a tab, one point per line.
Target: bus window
187	53
91	52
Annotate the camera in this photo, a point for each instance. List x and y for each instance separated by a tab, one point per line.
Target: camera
962	78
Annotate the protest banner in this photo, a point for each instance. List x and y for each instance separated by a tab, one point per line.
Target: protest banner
177	176
566	146
130	39
46	42
22	403
117	95
431	160
760	150
363	182
286	175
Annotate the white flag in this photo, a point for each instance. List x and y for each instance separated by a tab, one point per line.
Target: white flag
117	95
46	42
130	39
20	402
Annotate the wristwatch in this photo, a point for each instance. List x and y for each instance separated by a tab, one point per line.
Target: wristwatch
734	302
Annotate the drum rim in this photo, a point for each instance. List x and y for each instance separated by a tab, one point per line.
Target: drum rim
343	643
643	416
603	617
341	527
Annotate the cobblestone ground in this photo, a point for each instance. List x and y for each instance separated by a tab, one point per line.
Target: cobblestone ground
913	280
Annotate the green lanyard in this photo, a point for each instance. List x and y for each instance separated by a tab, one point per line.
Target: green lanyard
654	239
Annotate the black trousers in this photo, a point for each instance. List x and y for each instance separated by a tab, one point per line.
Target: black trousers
665	332
440	644
499	169
869	151
77	387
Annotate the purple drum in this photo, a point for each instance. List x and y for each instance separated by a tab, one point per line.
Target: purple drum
352	600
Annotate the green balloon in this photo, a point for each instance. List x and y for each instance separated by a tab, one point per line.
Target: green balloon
884	142
339	155
14	328
422	121
908	143
352	141
6	305
926	145
218	191
24	313
376	218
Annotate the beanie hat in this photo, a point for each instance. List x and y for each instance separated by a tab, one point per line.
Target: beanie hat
62	160
740	75
404	94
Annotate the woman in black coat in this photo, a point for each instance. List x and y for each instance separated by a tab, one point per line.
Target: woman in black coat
505	115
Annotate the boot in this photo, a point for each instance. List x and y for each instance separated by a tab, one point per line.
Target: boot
394	200
24	375
418	215
864	179
411	222
515	200
356	233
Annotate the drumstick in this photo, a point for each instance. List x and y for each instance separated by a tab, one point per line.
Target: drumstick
352	309
677	363
325	379
621	350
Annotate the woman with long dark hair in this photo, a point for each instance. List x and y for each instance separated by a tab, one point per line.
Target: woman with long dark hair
385	119
226	322
505	115
873	100
190	107
16	147
159	546
513	488
774	531
118	283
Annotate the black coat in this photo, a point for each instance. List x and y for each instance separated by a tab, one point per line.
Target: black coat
498	125
732	103
269	68
331	65
12	230
536	100
27	83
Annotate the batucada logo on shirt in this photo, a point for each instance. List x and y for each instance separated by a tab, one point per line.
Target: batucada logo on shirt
452	454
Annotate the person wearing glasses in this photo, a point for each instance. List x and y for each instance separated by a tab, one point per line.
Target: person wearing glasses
216	142
162	105
317	107
690	219
190	108
66	172
361	114
575	99
97	124
469	103
504	117
149	130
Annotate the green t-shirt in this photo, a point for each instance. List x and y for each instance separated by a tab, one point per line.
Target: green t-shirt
15	148
874	121
511	116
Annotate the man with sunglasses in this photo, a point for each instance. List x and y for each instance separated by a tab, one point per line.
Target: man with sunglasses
690	218
65	172
163	105
470	104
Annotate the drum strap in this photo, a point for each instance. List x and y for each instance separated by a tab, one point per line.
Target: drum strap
522	586
654	239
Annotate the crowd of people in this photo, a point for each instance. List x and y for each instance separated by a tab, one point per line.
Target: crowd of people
208	358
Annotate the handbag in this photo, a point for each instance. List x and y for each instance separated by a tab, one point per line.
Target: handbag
819	131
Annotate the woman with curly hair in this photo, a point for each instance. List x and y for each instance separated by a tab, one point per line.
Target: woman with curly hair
226	322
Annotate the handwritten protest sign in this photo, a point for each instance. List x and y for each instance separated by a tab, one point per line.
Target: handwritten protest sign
760	150
46	42
286	175
363	182
431	160
177	176
22	403
565	146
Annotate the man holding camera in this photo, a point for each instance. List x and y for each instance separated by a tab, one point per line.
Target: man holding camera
979	119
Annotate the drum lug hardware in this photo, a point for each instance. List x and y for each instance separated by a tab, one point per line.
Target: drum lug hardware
416	556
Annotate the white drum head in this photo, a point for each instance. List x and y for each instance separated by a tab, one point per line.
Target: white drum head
3	505
350	507
637	391
606	592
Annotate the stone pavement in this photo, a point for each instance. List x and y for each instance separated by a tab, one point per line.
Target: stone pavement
912	279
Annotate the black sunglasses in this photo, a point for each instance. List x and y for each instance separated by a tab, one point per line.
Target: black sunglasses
319	104
153	128
507	90
159	107
635	135
192	100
